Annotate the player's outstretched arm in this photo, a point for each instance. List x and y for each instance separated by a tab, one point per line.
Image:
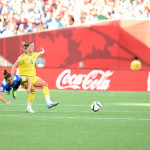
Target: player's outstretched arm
3	99
42	51
14	67
29	85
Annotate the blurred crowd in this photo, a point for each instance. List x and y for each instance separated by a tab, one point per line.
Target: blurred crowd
25	16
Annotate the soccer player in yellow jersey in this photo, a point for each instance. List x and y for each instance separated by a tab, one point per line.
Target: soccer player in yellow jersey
26	65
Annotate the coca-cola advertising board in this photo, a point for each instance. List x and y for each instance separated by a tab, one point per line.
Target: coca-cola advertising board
93	79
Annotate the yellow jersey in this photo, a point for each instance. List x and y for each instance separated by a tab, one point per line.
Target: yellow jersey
27	64
136	65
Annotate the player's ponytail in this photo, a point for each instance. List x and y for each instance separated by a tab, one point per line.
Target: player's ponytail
6	74
26	44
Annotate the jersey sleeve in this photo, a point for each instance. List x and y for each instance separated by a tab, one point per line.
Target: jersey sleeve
20	60
2	88
24	79
36	55
20	79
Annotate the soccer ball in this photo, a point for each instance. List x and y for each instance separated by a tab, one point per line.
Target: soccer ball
96	106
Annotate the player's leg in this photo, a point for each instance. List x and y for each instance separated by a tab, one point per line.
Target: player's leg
8	91
30	99
30	102
15	88
46	93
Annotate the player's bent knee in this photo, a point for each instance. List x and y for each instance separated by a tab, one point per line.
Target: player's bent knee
33	90
46	84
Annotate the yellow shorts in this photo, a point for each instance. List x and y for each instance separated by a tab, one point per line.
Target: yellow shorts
33	80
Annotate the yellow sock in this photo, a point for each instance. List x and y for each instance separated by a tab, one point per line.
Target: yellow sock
46	94
30	99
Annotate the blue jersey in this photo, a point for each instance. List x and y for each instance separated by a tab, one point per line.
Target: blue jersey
5	85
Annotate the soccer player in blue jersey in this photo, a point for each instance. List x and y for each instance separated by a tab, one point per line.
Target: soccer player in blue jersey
9	82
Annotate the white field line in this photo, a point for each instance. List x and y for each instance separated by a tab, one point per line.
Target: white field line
58	117
110	105
90	111
94	93
45	104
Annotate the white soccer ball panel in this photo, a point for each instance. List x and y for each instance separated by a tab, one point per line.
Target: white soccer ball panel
96	106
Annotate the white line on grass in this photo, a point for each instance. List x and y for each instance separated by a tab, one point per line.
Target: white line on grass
111	104
44	104
90	111
97	118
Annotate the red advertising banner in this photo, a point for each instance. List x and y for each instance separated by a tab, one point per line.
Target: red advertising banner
91	79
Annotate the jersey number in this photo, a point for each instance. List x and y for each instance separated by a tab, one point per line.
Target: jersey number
31	62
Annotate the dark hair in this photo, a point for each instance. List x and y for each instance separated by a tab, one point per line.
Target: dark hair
6	74
136	57
26	44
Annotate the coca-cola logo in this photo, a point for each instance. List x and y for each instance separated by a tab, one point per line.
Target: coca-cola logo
94	80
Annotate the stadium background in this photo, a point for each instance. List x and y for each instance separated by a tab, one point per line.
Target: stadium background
89	45
107	46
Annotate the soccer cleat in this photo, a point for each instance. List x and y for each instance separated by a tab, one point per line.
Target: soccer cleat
30	111
14	94
52	104
8	92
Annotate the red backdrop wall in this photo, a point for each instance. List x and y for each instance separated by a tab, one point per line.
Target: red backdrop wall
111	44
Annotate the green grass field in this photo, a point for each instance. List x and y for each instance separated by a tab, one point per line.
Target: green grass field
122	124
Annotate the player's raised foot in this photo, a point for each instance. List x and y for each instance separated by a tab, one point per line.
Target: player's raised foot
14	94
52	104
8	92
30	111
